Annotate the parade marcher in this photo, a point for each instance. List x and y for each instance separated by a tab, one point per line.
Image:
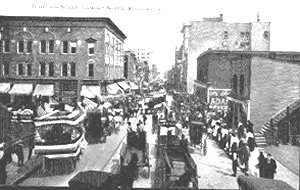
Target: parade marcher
270	167
261	165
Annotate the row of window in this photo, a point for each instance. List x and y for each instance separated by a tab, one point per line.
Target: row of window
47	69
46	46
242	34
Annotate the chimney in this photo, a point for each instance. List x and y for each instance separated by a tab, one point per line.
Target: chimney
221	17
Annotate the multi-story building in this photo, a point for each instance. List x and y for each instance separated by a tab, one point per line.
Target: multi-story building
214	34
130	65
63	53
251	85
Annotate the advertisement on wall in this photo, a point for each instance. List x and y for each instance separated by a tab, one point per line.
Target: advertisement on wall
217	99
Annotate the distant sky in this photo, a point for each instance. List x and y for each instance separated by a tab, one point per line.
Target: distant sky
158	28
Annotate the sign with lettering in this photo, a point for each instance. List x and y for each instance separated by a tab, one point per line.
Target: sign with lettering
217	98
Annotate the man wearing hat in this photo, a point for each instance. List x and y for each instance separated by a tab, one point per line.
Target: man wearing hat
270	167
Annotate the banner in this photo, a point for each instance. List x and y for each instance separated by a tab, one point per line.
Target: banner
217	99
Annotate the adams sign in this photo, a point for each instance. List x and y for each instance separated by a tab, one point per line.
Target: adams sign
217	98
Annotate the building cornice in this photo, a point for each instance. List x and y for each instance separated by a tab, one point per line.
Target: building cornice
64	19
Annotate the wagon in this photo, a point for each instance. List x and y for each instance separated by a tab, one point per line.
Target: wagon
136	145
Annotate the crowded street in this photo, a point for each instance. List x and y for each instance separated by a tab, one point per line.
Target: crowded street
129	95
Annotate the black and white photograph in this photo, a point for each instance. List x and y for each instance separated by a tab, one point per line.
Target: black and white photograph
149	94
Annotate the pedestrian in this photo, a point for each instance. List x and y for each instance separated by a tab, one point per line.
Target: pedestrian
261	164
233	143
144	118
270	167
3	173
7	154
234	163
250	140
30	146
129	128
18	149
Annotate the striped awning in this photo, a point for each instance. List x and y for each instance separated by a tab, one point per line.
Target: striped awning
133	86
4	87
114	89
21	89
124	85
91	91
44	90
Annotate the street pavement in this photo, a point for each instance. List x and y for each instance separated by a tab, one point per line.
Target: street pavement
214	169
95	157
114	163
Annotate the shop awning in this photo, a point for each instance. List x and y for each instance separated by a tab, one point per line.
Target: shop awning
114	89
90	91
124	85
133	86
44	90
21	89
4	87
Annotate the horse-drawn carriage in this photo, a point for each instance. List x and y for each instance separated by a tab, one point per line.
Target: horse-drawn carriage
198	135
135	150
180	170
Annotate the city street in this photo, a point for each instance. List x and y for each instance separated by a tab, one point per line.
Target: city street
95	157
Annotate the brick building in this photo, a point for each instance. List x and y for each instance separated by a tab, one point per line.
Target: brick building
214	34
56	56
260	83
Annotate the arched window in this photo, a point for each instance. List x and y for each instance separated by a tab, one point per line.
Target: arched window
242	85
234	83
24	42
47	40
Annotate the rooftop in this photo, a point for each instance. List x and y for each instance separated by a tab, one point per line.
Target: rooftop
64	19
293	56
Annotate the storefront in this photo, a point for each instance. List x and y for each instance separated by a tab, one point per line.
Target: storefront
4	95
21	95
68	91
238	111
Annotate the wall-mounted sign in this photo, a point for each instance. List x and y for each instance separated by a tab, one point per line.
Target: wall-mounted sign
217	98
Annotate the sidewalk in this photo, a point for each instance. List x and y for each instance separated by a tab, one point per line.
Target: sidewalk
287	155
283	173
16	173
